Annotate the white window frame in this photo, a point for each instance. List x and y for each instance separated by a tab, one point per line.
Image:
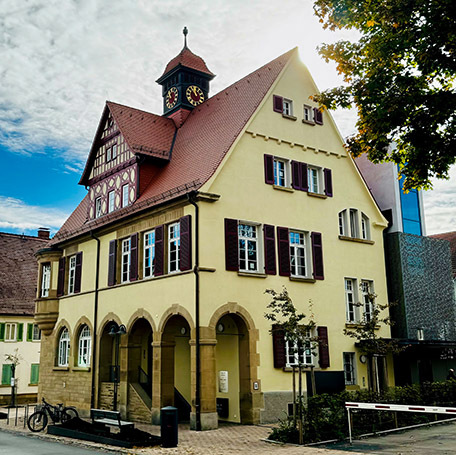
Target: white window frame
298	250
45	280
281	164
98	209
36	333
174	247
71	273
295	355
287	107
111	201
114	151
10	331
254	241
353	223
351	313
64	348
349	368
367	287
308	114
125	195
312	172
125	260
149	254
108	154
365	227
343	223
84	346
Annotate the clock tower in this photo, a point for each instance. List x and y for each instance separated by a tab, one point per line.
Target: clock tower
185	84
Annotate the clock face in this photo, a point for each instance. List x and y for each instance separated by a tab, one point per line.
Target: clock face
171	97
195	95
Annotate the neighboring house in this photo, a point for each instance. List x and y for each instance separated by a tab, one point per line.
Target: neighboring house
158	276
419	280
19	335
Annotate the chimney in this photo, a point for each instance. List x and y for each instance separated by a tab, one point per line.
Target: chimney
43	233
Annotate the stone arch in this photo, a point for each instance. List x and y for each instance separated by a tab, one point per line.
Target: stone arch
234	308
175	310
110	317
141	313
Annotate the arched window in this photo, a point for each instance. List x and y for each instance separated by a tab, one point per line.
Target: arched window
64	348
84	347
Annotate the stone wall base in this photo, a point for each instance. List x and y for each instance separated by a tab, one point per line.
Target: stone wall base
276	406
209	421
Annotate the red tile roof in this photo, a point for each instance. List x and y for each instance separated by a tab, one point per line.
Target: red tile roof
200	146
188	59
18	273
451	237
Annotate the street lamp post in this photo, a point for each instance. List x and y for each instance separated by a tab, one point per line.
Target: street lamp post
116	332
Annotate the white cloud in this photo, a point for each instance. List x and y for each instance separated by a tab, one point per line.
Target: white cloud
17	215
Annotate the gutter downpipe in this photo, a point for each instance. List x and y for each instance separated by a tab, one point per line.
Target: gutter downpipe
95	321
191	199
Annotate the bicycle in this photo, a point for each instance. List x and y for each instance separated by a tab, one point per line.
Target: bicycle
39	419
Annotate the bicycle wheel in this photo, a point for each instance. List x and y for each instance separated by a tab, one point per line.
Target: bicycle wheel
68	414
37	421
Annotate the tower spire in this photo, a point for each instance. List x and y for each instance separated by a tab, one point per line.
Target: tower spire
185	32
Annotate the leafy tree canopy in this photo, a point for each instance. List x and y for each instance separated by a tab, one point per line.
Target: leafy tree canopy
401	77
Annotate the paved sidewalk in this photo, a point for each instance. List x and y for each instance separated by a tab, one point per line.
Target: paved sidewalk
227	440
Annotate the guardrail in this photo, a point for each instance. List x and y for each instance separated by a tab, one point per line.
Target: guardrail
395	407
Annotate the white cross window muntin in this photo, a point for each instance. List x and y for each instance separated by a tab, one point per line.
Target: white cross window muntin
280	173
350	299
126	258
149	253
84	348
349	368
174	247
45	280
248	248
71	274
367	291
298	254
64	348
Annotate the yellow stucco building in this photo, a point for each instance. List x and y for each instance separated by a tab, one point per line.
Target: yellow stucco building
158	277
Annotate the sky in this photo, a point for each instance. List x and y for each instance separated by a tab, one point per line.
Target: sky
60	60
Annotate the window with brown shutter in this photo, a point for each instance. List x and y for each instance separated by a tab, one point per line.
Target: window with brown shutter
159	266
61	277
185	253
328	182
112	263
296	175
283	246
133	257
323	347
231	245
278	346
269	169
317	256
78	273
278	103
304	177
269	250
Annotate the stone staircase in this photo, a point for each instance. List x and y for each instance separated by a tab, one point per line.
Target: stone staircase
139	404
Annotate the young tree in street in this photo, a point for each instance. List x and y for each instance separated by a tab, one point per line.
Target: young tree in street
400	75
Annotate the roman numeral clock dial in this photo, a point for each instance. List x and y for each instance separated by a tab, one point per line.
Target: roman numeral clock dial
171	97
194	95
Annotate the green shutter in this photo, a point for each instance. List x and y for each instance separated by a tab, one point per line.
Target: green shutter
20	331
6	374
29	332
2	331
34	373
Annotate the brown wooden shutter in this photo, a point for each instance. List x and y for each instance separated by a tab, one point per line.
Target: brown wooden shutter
269	169
78	273
317	256
134	257
328	182
185	253
231	245
269	250
278	345
318	116
159	262
323	347
296	175
61	277
283	246
112	263
278	103
304	177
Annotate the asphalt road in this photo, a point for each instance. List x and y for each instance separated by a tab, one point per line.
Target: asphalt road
12	444
434	440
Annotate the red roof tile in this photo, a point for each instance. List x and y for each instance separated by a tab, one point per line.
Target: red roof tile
451	237
18	273
200	146
188	59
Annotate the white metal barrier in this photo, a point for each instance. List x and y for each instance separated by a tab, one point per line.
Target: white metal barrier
395	407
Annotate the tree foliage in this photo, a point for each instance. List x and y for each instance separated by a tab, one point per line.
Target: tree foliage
400	75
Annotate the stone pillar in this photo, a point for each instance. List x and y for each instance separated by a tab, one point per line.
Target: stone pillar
208	341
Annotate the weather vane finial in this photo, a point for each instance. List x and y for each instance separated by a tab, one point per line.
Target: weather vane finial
185	32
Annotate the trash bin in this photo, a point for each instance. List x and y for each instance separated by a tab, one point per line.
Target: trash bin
168	419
